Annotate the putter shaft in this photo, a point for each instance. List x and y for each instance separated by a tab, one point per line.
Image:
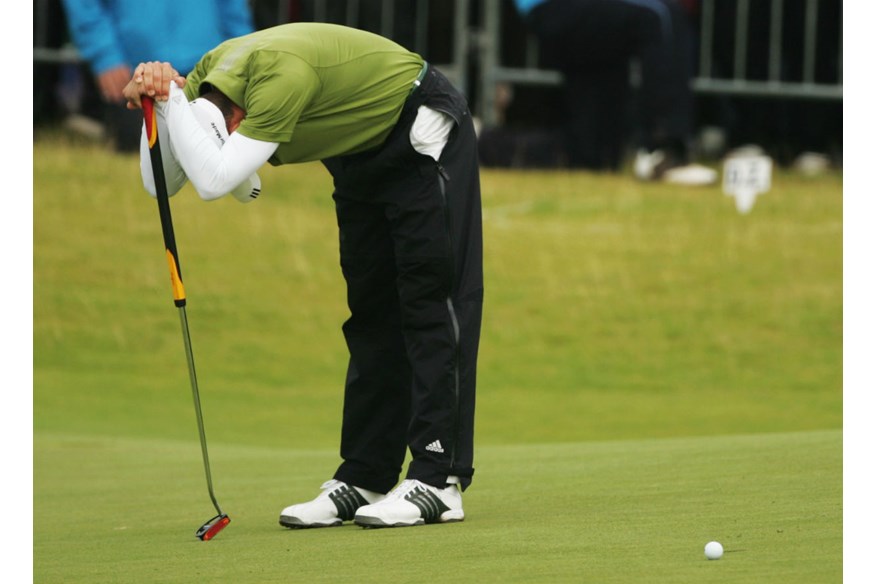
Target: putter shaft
215	525
196	396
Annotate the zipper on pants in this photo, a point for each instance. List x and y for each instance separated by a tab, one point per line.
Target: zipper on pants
443	178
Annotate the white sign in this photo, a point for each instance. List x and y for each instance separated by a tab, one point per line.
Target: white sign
746	177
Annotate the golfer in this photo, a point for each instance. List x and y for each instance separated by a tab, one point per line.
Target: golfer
399	143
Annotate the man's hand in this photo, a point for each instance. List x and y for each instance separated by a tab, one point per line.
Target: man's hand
152	79
112	83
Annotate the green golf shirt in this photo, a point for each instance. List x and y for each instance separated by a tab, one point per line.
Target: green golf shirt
319	90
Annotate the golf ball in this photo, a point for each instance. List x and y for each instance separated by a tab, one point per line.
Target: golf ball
714	550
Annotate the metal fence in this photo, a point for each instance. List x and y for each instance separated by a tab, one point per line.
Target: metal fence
436	29
788	49
799	49
775	48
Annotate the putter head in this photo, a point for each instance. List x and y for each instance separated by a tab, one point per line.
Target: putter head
209	530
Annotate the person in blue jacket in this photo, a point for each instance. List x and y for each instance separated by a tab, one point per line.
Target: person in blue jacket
592	43
114	35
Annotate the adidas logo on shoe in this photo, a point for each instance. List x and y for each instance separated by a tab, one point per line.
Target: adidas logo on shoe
435	447
413	503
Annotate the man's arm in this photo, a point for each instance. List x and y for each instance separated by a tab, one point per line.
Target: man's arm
173	172
94	33
96	38
213	170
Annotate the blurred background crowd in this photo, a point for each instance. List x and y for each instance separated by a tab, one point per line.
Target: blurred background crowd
659	88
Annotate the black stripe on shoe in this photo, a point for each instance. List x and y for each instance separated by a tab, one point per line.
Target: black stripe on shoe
347	500
431	507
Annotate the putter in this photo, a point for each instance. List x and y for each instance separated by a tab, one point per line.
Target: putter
216	524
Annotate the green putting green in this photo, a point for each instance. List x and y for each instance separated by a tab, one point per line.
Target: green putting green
657	371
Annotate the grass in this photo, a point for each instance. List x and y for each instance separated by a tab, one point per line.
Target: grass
656	371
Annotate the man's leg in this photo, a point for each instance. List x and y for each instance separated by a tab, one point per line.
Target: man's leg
595	98
377	394
436	226
661	31
588	41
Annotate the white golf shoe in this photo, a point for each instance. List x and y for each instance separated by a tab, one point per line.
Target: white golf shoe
648	166
413	503
337	503
693	175
658	166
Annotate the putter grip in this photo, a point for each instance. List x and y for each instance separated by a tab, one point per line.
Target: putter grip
150	120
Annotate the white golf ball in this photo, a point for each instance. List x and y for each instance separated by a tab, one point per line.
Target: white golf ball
714	550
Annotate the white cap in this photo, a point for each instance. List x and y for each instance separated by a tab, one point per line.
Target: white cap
213	122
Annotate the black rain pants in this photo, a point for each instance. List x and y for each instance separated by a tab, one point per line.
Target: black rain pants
411	255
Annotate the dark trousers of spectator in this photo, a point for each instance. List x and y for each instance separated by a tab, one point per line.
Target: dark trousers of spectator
411	255
123	126
592	42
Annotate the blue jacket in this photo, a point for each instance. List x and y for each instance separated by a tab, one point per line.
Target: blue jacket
110	33
526	6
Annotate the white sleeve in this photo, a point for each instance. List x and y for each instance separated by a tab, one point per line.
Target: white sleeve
174	176
213	171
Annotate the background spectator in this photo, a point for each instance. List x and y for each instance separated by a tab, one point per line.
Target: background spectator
114	35
592	42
